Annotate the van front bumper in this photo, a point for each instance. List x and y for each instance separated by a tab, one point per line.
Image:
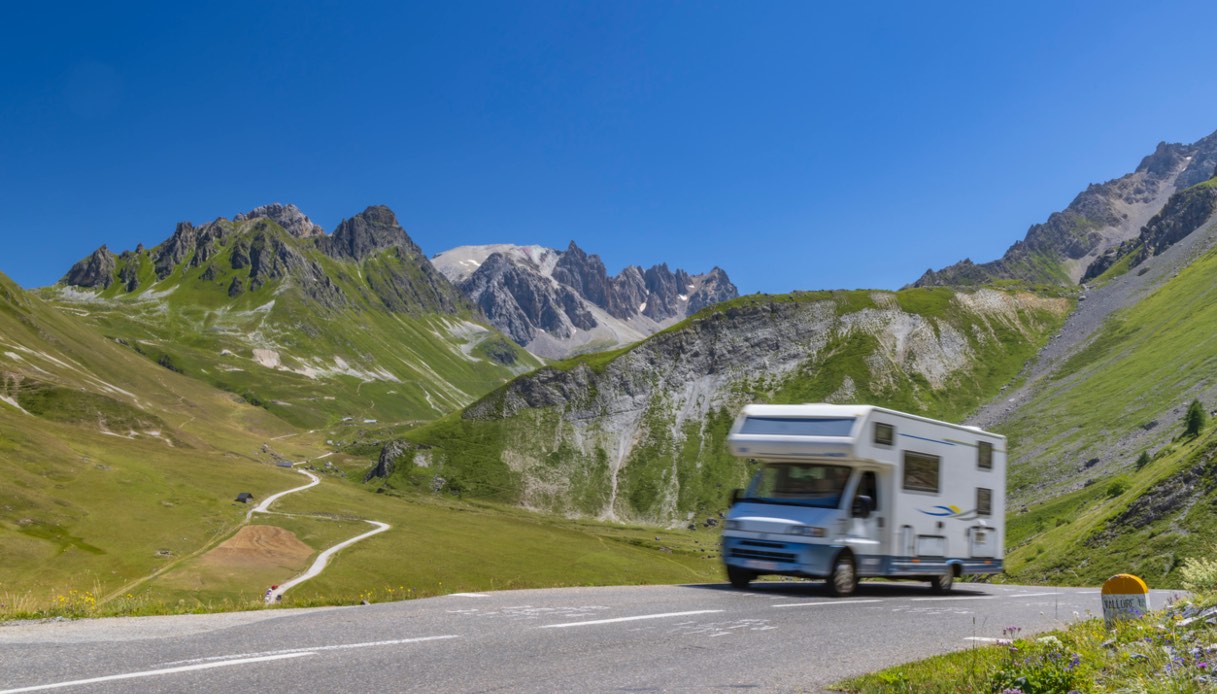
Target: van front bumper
779	557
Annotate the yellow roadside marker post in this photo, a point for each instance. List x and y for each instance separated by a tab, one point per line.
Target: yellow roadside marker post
1124	597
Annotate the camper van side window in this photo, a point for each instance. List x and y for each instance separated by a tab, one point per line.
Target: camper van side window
884	434
921	472
984	455
984	501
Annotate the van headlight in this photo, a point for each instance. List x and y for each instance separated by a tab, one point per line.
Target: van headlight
734	525
806	531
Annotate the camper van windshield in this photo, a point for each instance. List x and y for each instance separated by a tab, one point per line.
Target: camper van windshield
799	484
797	426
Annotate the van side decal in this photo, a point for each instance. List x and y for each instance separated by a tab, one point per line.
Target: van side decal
951	511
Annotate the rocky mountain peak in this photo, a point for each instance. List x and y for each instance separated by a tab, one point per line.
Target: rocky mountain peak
94	272
714	287
288	216
1101	217
1166	159
521	302
556	303
584	273
366	233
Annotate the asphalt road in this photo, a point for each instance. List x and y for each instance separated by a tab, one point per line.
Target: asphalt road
701	638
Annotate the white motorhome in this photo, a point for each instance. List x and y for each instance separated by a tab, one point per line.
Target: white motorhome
849	491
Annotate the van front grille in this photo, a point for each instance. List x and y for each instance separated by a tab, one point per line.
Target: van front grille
753	552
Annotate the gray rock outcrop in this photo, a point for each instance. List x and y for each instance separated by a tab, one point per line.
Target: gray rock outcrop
368	232
1185	212
289	217
520	302
386	464
94	272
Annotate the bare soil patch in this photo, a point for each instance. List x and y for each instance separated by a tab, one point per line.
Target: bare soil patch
259	547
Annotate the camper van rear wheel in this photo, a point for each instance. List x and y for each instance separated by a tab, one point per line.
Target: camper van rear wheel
943	583
740	578
843	579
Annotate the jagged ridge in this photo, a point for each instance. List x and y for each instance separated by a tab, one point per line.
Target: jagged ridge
1105	215
316	327
556	303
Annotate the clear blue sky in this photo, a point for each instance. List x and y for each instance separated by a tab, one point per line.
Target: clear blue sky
799	145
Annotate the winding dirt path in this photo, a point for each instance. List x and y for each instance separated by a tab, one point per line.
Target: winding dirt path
264	507
322	559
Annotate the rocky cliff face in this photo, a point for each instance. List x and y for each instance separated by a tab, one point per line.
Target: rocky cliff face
642	436
1185	212
1102	217
94	272
521	302
556	303
368	232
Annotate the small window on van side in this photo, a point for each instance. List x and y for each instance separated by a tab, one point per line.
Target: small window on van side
921	472
984	455
885	434
984	501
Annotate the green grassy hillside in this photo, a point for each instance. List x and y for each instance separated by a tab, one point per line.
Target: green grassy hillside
1143	522
1137	375
112	464
1082	507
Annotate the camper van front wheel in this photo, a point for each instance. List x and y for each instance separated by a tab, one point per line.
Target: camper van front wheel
740	578
843	579
943	583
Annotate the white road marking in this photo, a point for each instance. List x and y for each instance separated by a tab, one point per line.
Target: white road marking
962	597
627	619
825	602
1032	595
154	673
317	649
468	595
986	639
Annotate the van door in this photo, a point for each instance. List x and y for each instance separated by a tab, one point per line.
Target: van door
868	535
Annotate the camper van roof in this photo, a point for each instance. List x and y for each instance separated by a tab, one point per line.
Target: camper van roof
809	410
820	409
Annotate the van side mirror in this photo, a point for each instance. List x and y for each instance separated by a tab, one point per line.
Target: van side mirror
863	505
735	496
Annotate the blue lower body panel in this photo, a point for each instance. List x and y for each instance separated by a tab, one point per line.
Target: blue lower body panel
921	566
815	561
